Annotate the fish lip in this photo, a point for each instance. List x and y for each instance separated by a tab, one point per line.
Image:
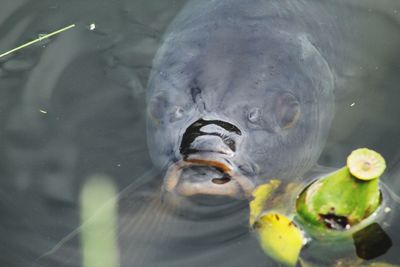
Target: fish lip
193	151
238	187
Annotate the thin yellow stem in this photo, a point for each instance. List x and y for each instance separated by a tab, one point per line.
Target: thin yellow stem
37	40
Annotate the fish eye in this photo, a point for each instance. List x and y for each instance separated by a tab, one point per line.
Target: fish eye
287	111
157	106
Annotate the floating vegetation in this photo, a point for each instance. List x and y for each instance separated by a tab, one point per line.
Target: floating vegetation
335	214
279	237
366	164
41	37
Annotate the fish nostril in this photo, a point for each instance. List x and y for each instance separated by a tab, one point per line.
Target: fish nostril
222	180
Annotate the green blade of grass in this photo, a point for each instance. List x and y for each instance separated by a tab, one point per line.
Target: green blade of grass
37	40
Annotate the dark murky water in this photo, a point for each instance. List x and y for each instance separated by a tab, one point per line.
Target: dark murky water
73	107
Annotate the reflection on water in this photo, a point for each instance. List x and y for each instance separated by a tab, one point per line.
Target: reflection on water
73	106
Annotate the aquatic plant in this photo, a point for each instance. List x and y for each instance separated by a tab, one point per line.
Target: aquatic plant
337	212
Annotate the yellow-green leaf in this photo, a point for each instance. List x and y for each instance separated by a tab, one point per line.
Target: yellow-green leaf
260	196
279	238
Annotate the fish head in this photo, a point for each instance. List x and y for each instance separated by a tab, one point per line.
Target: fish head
231	107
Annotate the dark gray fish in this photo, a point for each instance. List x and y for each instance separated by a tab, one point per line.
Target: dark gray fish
243	92
240	93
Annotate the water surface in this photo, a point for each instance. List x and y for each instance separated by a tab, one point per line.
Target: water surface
73	107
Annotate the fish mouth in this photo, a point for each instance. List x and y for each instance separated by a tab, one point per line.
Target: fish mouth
207	149
219	177
197	138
